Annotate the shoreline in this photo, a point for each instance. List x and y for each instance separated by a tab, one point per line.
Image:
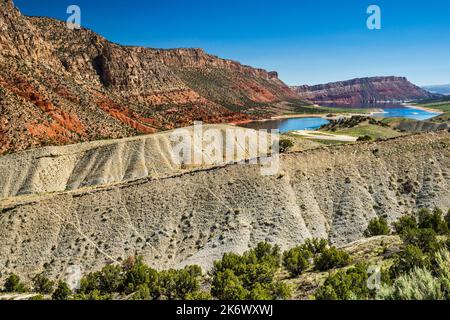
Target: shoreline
423	108
335	115
308	115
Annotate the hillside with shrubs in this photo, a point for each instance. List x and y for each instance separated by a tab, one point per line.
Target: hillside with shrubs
408	260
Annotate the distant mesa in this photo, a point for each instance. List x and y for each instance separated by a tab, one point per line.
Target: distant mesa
363	90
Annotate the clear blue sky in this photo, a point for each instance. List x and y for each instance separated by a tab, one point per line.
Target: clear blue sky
307	42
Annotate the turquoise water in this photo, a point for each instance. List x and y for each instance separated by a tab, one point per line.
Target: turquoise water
410	113
285	125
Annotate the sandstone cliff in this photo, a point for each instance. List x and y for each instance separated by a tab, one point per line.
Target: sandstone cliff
363	91
61	86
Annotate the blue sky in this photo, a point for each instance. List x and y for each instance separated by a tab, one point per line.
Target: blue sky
307	42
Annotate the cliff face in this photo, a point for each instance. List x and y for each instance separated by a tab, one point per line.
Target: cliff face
363	90
61	86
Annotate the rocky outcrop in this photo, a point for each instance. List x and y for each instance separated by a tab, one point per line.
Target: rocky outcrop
363	91
61	86
194	217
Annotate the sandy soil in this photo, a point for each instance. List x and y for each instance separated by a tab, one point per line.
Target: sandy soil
324	136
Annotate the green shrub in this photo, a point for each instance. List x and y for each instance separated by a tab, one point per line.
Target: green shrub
259	293
178	284
406	260
441	268
264	253
13	284
255	273
425	239
142	293
405	223
377	227
108	280
365	138
62	291
422	281
42	284
227	286
326	292
347	284
419	284
331	258
199	295
447	219
140	274
296	260
432	220
249	276
92	295
280	291
285	145
315	245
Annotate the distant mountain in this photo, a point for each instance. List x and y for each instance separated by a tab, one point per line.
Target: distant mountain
363	90
439	89
60	86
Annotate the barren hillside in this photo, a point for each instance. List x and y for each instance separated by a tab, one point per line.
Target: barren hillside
194	217
107	162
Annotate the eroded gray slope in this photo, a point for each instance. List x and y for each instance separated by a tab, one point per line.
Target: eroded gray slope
195	217
55	169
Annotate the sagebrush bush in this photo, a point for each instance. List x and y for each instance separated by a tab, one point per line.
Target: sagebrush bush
441	261
419	284
404	261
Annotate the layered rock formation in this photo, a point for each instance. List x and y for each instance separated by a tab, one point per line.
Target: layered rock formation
197	216
363	91
61	86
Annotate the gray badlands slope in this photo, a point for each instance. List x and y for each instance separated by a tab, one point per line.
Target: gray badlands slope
54	169
194	217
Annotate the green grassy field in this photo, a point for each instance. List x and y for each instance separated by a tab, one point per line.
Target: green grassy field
374	131
442	104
